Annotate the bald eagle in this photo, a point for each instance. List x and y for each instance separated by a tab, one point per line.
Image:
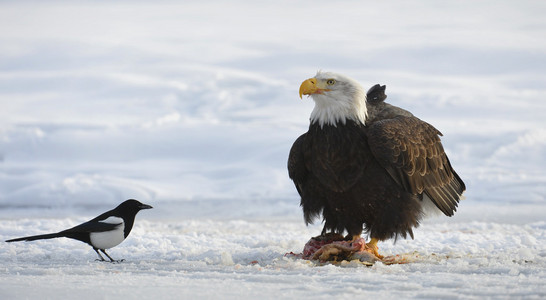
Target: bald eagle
367	165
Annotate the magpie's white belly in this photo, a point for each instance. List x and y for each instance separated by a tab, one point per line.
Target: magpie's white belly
108	239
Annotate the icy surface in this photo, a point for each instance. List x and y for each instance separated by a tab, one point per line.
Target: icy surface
192	107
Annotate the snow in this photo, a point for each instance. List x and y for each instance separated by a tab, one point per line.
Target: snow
192	107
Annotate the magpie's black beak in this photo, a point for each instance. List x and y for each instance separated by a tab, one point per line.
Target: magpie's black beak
145	206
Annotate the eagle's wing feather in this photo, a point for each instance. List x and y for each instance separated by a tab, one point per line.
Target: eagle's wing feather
411	152
338	159
296	165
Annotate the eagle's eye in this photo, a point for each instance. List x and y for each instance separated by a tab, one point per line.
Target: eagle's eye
330	81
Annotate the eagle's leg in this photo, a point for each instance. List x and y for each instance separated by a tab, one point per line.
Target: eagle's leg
323	233
326	235
373	247
370	247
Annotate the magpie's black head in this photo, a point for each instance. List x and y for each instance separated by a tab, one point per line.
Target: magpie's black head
131	207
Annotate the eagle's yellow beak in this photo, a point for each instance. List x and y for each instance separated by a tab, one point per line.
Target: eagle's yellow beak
312	86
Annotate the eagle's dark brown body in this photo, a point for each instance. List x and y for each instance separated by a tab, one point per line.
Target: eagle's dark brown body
373	176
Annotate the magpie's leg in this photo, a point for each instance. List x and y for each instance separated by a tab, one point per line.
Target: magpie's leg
104	251
111	259
100	256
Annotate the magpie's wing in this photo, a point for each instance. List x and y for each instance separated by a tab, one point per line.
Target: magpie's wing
101	223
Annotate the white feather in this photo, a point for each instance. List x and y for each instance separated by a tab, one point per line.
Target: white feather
346	100
429	208
109	239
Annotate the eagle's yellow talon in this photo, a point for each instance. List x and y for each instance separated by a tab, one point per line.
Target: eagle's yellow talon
373	248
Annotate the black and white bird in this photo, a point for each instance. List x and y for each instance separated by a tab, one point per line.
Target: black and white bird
103	232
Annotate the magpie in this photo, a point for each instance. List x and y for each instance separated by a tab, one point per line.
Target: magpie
103	232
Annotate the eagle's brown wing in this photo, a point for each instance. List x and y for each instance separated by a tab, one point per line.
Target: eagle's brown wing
411	152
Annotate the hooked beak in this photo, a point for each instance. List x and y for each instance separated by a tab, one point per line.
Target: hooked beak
312	86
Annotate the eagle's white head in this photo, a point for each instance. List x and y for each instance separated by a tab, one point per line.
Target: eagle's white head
337	98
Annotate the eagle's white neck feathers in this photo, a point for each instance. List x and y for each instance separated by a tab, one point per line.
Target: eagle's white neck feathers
345	100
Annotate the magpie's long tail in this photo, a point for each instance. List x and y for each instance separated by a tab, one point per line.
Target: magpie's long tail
37	237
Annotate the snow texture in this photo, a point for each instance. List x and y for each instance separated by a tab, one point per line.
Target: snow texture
192	106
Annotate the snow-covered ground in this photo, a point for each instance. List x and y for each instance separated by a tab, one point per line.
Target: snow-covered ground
192	107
